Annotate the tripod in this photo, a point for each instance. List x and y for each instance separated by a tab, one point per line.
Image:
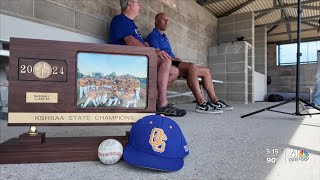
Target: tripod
297	98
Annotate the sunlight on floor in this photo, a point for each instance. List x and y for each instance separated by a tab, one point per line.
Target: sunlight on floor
301	157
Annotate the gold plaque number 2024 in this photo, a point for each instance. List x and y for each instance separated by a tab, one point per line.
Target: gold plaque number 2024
41	70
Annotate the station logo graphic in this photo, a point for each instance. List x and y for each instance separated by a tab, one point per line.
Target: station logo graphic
293	155
296	155
303	155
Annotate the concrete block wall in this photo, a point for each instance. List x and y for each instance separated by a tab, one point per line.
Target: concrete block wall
234	26
81	16
192	29
229	63
261	50
283	78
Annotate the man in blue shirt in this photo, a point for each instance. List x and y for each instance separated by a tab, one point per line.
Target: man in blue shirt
159	40
316	97
123	31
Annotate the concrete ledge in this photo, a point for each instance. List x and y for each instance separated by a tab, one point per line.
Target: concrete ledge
3	115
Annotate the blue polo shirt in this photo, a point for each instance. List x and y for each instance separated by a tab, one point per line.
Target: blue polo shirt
121	26
160	41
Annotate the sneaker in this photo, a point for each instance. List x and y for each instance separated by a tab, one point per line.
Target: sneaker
206	108
170	110
222	105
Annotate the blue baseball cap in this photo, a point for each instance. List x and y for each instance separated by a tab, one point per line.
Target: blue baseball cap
156	142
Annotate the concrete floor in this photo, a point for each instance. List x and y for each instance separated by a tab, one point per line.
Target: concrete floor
221	147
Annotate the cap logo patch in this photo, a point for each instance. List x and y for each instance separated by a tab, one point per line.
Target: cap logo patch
157	140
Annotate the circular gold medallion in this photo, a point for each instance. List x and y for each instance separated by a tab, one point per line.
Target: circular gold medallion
42	70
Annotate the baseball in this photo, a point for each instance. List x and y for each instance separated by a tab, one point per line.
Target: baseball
110	151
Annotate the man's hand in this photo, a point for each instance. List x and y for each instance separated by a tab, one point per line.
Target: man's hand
162	54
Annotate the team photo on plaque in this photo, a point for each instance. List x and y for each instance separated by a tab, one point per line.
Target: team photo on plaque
111	81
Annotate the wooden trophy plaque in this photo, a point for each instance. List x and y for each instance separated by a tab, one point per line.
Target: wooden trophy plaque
57	83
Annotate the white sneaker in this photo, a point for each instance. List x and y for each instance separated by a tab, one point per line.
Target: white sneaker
206	108
221	105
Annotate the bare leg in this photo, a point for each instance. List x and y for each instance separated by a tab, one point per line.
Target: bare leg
204	73
190	70
162	81
174	73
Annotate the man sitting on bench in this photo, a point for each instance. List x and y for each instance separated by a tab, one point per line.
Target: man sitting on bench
159	40
316	97
123	31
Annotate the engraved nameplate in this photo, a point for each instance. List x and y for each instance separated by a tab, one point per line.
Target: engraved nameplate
39	97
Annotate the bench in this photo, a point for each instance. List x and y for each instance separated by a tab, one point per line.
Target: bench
173	94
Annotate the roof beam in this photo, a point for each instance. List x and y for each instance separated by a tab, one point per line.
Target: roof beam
206	2
283	33
285	6
237	8
200	1
313	20
290	21
261	15
287	42
311	7
273	28
310	24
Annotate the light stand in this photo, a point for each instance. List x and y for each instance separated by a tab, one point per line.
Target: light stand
297	99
